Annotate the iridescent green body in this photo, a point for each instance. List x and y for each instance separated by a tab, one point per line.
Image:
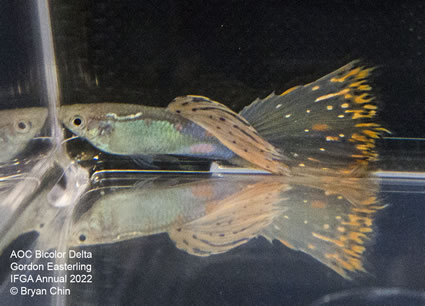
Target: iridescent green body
129	129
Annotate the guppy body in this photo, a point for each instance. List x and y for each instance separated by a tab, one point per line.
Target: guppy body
128	129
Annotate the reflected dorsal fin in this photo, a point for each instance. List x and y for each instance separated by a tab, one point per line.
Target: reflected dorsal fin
232	221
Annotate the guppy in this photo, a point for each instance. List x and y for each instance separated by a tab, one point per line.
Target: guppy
327	125
17	128
330	220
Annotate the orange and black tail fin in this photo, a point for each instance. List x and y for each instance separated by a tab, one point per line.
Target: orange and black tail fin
328	124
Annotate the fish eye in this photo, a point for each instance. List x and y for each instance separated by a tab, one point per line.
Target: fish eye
22	126
82	237
78	121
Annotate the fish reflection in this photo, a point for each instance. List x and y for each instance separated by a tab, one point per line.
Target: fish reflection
327	125
18	177
17	128
330	220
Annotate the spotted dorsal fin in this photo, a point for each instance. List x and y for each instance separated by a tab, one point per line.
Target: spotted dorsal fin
232	221
232	130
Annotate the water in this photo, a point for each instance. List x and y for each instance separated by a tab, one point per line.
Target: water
149	53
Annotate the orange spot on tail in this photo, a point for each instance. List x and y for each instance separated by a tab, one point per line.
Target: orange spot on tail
343	78
332	95
328	239
371	133
357	237
320	127
332	138
289	90
287	244
318	204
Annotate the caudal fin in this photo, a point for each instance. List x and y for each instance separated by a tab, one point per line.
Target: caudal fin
328	124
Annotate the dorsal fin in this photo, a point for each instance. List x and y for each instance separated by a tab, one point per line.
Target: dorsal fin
232	130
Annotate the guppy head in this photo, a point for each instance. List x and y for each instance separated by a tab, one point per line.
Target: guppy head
85	231
77	117
17	128
94	122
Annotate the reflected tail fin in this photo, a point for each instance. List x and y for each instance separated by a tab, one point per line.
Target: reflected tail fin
333	227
